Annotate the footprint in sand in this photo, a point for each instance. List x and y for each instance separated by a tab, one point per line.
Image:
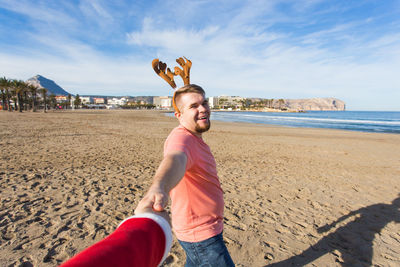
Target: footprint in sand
171	259
54	250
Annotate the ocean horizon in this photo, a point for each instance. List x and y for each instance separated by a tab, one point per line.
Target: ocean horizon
363	121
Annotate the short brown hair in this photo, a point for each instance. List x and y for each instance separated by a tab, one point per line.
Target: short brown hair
189	88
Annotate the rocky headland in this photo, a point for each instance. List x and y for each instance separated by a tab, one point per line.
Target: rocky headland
328	103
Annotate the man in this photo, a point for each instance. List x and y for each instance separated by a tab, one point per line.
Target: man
188	174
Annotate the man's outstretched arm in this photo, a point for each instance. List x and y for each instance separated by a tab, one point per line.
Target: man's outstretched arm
169	173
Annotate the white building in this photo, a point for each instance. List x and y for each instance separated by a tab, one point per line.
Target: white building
230	101
72	103
99	100
117	101
163	102
213	101
86	99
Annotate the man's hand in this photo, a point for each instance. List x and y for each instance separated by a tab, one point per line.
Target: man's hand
155	199
154	202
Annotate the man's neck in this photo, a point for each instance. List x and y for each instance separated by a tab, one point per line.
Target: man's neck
199	135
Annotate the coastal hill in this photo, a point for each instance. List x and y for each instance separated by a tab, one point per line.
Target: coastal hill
308	104
328	103
50	85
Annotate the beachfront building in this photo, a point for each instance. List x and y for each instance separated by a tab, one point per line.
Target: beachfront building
213	101
163	102
86	100
61	98
117	101
72	102
61	101
143	100
99	100
230	102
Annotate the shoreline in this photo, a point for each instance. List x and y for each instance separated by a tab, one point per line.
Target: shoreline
68	178
262	110
306	125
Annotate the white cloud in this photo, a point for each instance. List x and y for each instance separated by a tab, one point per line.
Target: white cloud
39	11
241	53
228	63
86	72
97	12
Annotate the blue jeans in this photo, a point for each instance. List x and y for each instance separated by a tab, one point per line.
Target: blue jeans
210	252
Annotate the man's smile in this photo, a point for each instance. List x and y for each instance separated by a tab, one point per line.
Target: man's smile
203	118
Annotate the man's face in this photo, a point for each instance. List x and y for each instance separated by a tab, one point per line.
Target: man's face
194	113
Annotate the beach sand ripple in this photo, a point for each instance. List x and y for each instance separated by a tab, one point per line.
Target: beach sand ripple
292	196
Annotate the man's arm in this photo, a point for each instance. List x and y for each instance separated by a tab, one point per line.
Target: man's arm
169	173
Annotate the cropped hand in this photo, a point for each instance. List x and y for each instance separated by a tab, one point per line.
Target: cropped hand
155	199
142	208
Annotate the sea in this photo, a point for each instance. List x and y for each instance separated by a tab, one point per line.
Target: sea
364	121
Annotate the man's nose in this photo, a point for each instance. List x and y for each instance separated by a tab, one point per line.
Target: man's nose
202	108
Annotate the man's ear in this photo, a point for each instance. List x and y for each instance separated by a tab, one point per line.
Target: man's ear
177	114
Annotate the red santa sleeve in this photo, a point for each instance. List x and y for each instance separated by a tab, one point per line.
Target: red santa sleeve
141	240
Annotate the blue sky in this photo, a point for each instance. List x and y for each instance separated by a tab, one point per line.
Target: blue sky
273	48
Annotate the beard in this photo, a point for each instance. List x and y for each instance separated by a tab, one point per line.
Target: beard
202	129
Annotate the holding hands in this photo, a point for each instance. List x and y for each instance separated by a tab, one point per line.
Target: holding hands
154	201
168	175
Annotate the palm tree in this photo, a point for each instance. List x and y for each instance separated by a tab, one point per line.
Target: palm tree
34	90
3	99
53	101
243	103
25	94
8	95
19	89
281	102
68	101
78	101
7	91
271	103
222	102
43	91
3	86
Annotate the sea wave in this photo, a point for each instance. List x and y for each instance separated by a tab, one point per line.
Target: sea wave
365	121
311	119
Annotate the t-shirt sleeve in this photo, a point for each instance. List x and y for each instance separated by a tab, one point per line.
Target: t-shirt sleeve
182	142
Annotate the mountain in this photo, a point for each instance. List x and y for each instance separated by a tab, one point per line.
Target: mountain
50	85
328	103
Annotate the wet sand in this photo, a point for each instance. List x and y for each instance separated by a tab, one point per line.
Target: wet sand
293	196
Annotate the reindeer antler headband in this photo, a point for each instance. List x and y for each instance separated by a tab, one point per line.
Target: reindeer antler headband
161	69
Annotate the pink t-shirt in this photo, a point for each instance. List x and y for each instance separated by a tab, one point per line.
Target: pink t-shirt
197	200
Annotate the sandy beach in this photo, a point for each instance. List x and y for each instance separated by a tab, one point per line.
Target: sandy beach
293	196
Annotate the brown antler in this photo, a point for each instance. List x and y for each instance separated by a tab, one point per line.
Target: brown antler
160	67
185	73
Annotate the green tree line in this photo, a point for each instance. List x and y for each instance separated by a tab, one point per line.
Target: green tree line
17	95
247	103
